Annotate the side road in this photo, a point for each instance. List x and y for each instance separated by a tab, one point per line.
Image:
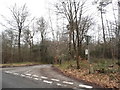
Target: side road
49	74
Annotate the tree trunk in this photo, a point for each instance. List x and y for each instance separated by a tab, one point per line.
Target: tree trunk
118	42
74	44
78	48
19	46
42	37
70	44
103	33
77	37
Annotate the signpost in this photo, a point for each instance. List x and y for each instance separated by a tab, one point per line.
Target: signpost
87	51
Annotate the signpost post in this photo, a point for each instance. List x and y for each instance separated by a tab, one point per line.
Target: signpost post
87	51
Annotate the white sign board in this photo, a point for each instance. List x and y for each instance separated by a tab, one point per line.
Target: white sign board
86	51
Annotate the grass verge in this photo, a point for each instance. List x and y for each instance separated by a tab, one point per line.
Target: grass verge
20	64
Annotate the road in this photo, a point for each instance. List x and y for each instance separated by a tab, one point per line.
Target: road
39	76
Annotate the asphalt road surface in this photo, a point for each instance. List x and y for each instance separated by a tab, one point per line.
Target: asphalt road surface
12	81
39	76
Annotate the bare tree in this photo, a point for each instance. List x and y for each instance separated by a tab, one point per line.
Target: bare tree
78	25
17	23
101	7
51	26
19	15
41	27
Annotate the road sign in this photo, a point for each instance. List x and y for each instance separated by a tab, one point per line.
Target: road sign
87	38
86	51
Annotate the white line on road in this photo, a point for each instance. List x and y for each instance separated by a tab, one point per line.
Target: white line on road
85	86
59	84
68	82
15	74
55	79
43	77
47	81
22	75
35	75
36	78
8	72
28	74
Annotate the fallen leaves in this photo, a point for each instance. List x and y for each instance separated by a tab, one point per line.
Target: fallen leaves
103	80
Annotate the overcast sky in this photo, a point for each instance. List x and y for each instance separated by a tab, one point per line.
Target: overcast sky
36	7
39	8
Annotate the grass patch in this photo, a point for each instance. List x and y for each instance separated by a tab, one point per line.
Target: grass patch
106	65
20	64
98	65
66	64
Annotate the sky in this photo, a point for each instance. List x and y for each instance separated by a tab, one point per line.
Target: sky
38	8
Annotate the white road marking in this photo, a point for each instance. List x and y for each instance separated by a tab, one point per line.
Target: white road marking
15	73
35	75
44	77
22	75
36	78
55	79
59	84
8	72
85	86
28	74
47	81
68	82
